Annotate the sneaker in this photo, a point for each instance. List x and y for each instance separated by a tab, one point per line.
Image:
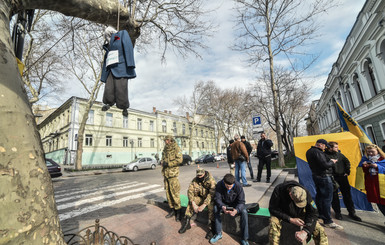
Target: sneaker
268	181
247	185
216	238
338	216
355	217
244	242
334	226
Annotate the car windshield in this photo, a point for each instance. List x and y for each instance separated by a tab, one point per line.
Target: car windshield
135	160
48	163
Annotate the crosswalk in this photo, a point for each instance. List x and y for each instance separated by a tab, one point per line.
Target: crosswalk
75	202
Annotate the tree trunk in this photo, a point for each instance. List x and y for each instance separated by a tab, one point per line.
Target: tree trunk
281	161
28	211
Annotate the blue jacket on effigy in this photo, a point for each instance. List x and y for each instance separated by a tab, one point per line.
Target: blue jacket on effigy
125	68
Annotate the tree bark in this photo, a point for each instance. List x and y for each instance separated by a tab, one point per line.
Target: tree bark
28	210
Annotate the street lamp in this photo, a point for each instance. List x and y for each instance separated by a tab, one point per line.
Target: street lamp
132	148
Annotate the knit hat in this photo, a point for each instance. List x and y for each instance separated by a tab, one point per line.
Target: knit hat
322	141
298	194
200	171
168	137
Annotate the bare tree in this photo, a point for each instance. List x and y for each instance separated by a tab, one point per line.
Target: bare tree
269	29
29	211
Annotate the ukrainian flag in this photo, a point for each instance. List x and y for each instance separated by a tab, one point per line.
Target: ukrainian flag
349	124
381	174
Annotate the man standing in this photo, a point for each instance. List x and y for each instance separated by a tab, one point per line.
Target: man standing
230	199
200	194
264	156
249	149
341	172
230	160
240	156
322	171
171	159
292	203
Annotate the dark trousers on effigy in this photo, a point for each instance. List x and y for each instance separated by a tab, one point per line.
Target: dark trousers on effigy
346	195
116	91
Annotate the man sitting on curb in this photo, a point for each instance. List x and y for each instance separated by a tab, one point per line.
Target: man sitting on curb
200	195
230	199
292	203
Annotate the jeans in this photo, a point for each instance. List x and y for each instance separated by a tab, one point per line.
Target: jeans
244	222
250	169
242	166
324	197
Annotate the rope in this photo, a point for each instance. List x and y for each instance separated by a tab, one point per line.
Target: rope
117	27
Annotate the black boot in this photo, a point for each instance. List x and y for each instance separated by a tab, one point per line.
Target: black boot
105	108
211	231
185	226
170	214
178	215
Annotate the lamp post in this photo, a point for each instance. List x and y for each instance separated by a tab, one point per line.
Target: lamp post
132	148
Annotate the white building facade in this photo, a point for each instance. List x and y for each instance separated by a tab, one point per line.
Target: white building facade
111	138
357	78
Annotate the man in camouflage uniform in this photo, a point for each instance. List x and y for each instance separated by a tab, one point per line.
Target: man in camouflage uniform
290	202
200	195
171	158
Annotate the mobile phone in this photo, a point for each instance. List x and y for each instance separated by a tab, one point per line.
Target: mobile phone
229	208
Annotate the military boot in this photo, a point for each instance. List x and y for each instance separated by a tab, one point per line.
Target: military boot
211	231
178	215
170	214
185	226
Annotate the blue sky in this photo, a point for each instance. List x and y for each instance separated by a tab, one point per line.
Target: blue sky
159	84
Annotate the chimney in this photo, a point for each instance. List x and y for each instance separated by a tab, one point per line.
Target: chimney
169	112
188	116
165	111
154	109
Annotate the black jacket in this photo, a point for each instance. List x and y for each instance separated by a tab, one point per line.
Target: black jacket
342	165
264	148
318	162
234	198
283	207
249	148
229	156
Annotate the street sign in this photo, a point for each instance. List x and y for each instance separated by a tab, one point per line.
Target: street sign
256	121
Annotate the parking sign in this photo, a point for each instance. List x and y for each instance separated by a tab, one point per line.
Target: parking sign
256	121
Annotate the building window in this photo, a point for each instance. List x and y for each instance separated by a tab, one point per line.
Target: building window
125	122
382	126
358	88
152	143
202	133
184	143
125	141
207	134
109	119
151	126
174	127
350	104
197	144
88	140
139	122
370	132
370	77
196	132
90	119
164	126
108	140
183	129
203	145
140	142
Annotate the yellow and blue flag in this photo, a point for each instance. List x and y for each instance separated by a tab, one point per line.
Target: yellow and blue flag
349	124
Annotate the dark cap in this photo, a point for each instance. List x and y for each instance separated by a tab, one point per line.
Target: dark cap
299	196
231	141
200	171
322	141
243	137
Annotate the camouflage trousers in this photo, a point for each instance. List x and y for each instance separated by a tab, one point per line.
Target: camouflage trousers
199	201
319	235
172	187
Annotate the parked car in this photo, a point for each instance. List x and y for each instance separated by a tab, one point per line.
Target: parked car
205	159
53	167
274	154
186	159
140	163
224	155
220	157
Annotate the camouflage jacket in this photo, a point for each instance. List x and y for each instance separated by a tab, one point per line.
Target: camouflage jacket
204	189
173	156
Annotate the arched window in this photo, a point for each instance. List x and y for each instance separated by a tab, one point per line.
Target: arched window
164	126
358	88
349	99
369	73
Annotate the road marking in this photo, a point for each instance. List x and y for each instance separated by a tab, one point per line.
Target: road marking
81	189
92	192
71	193
101	197
95	207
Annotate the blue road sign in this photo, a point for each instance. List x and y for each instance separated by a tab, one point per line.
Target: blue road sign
256	121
